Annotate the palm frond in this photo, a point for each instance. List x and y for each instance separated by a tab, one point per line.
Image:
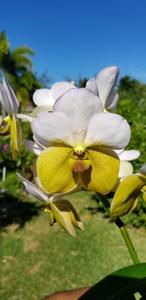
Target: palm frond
22	51
23	62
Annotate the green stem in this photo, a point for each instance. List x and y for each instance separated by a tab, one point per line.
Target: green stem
124	233
127	240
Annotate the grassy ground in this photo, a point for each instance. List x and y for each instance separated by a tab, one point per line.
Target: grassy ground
37	260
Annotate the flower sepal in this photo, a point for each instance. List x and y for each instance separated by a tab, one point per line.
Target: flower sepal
126	196
62	211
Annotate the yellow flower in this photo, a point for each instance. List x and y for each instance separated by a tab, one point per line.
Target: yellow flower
79	139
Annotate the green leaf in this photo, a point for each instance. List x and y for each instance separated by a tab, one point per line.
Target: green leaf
120	285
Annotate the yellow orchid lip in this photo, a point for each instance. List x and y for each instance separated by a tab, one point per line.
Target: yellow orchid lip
66	167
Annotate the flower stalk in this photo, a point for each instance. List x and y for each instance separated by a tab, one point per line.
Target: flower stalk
127	240
119	223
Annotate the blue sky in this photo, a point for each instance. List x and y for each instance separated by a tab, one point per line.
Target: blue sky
78	38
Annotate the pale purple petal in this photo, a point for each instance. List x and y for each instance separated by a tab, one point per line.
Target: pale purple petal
8	98
105	81
129	155
33	189
34	147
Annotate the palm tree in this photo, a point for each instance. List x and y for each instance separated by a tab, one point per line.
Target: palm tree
16	65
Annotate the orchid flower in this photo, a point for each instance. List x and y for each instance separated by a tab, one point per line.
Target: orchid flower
80	140
59	209
126	196
103	86
10	105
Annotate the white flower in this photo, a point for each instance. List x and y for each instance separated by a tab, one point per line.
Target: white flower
103	86
79	138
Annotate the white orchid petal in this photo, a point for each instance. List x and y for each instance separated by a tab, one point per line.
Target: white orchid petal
33	189
112	101
25	118
79	105
126	169
49	128
129	155
38	143
91	85
8	98
34	147
105	81
108	129
59	88
43	97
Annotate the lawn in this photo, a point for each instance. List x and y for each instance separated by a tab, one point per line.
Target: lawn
37	259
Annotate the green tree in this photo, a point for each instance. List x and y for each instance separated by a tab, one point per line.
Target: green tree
16	65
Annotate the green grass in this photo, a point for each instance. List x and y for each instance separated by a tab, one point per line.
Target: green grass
37	259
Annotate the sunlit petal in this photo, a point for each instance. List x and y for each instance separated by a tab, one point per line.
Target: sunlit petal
43	97
79	105
54	170
59	88
108	129
103	173
129	155
51	128
126	169
91	85
105	81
